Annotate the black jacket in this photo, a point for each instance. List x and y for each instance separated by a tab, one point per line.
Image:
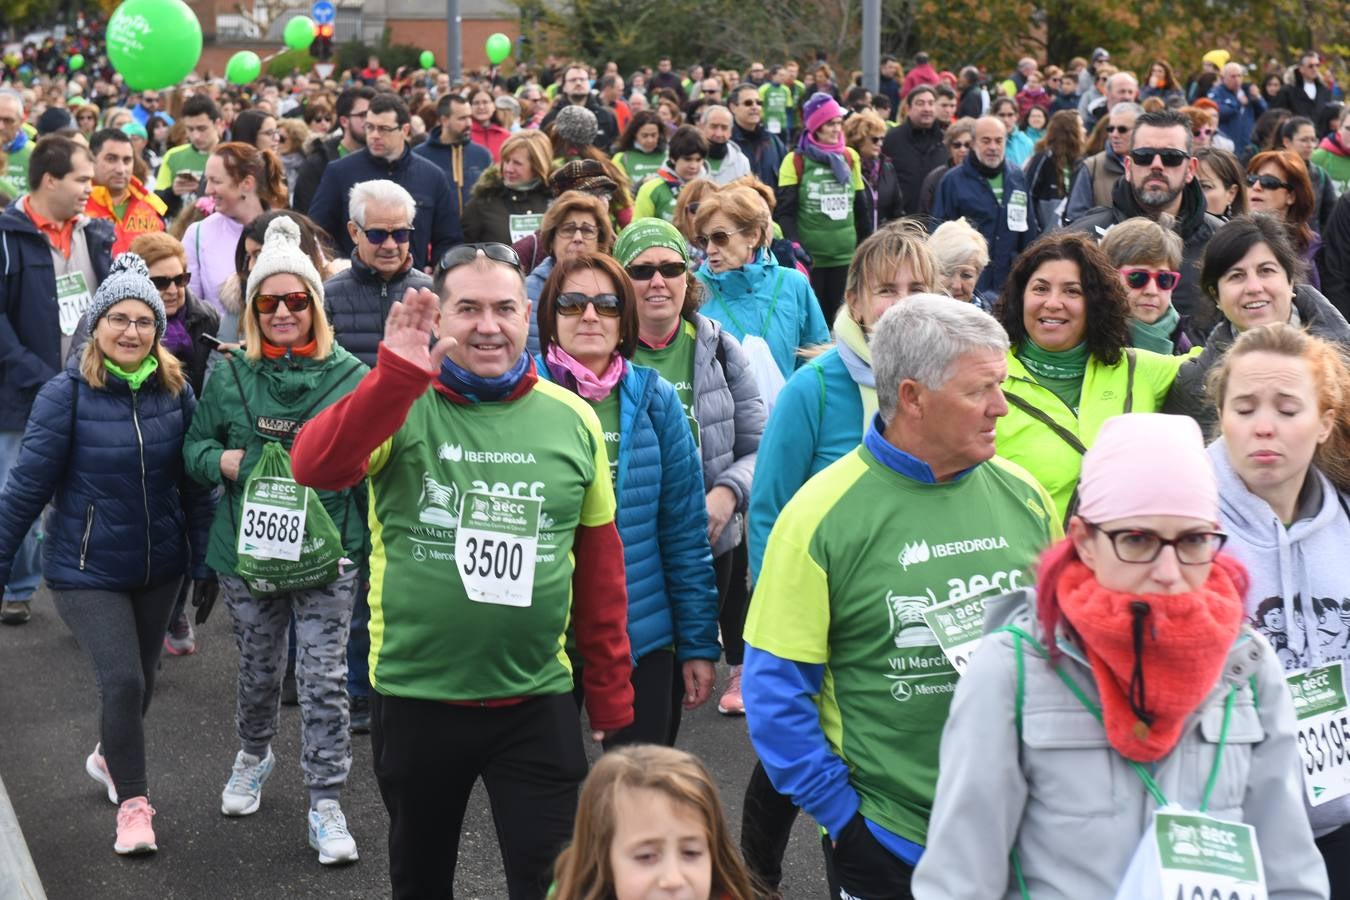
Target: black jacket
357	302
914	152
889	204
436	225
765	151
1336	256
473	159
929	190
1194	225
607	126
318	154
1293	98
488	214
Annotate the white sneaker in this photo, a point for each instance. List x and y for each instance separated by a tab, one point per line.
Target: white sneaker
97	768
329	835
243	792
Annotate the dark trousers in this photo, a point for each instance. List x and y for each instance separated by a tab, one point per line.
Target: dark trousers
767	818
732	570
828	283
658	692
859	867
428	755
1335	849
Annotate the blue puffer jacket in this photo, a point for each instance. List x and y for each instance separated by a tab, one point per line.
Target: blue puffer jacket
111	463
663	522
30	331
534	289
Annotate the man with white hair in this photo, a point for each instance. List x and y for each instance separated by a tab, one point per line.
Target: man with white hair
1240	105
725	160
1095	178
15	145
1121	87
870	597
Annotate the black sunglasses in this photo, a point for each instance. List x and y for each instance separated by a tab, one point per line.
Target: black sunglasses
380	235
643	272
719	238
1268	182
1143	156
573	304
266	304
1118	129
162	282
467	253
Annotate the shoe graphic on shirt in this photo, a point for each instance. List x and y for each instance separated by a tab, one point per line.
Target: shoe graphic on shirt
907	624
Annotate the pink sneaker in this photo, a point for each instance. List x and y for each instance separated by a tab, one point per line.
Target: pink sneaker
134	834
731	703
97	767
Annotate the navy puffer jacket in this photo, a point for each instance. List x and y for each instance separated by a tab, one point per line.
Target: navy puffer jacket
110	461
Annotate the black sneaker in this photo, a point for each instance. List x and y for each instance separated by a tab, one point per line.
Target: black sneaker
360	714
289	697
14	612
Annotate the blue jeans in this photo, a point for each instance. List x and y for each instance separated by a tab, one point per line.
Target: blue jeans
27	571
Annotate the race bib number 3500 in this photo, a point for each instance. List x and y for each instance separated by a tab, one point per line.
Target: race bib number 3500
1323	732
496	545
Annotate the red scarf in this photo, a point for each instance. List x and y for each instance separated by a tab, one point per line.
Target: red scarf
1154	657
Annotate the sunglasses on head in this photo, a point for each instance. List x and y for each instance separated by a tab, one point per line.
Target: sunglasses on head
572	304
719	238
1268	182
1143	156
378	236
1137	279
466	253
645	272
162	282
266	304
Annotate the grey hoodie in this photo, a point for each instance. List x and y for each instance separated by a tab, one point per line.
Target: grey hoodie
1290	569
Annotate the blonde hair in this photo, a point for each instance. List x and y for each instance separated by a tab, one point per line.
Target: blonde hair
318	323
956	243
742	205
538	150
899	243
583	870
863	125
1329	371
156	245
170	369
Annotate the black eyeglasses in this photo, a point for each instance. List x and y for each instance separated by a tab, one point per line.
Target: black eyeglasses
380	235
572	304
1137	279
1171	158
467	253
643	272
1133	545
162	282
1268	182
266	304
720	238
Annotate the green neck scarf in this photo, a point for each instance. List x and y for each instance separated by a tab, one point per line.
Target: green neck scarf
1059	371
1158	336
136	378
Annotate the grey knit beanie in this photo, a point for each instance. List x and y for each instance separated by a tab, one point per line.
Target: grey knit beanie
128	279
281	253
576	125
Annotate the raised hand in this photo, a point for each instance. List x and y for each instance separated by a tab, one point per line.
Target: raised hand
409	329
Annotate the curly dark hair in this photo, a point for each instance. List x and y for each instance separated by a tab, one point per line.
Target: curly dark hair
1108	330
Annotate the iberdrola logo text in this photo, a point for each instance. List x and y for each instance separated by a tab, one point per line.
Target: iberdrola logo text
457	453
921	552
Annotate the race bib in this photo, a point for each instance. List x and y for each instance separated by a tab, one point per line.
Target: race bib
1323	732
1017	211
958	626
72	299
496	546
835	201
1200	856
524	225
272	520
774	126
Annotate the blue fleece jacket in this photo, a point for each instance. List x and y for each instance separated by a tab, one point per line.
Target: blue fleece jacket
963	191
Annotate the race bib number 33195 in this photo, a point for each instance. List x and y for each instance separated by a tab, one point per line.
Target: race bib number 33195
1323	732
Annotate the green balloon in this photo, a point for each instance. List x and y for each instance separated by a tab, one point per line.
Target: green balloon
77	62
299	33
427	59
154	44
243	67
498	48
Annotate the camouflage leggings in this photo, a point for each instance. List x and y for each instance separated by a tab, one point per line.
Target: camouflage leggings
322	619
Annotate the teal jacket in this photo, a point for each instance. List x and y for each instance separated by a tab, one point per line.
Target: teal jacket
817	419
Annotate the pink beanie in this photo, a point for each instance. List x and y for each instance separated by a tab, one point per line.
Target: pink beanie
819	109
1148	464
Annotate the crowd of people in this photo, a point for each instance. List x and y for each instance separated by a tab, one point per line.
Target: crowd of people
995	434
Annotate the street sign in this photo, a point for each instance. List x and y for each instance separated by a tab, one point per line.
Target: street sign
323	70
323	12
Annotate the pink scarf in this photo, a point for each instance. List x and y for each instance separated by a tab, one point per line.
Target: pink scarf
576	377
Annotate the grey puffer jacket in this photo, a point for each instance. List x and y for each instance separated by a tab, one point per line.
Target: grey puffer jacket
730	417
1071	805
1188	397
357	302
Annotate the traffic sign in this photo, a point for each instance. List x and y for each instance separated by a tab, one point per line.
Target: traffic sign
323	12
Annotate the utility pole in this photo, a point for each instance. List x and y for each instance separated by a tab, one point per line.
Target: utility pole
455	62
871	45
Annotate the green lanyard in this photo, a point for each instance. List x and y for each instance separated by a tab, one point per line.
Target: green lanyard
1019	638
768	317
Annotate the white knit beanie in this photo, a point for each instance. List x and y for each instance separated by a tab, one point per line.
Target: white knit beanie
281	253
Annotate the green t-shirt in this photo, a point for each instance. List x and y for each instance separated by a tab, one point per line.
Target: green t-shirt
183	158
14	179
675	363
638	166
776	99
824	209
853	561
542	457
655	199
607	410
996	185
342	150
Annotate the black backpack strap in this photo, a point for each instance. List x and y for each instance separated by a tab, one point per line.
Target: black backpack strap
1040	415
1131	360
720	354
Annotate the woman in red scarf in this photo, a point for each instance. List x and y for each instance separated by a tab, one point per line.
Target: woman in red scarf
1127	682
